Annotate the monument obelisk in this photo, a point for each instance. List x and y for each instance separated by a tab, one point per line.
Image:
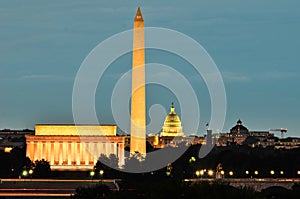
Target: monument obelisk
138	94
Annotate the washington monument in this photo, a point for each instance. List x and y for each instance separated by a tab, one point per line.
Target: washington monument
138	102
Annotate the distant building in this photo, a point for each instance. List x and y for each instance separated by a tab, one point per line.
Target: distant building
70	147
209	140
10	139
261	141
172	125
260	134
239	133
172	133
288	143
223	139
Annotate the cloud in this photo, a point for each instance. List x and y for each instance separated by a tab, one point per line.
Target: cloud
235	77
278	75
44	77
272	75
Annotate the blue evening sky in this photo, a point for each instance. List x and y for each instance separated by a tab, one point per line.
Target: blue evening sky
255	45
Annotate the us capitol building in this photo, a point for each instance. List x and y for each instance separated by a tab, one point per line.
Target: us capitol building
171	133
172	125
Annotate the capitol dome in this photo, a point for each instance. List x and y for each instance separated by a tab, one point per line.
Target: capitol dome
239	128
172	125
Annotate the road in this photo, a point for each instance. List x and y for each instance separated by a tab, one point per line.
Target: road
46	187
257	184
52	188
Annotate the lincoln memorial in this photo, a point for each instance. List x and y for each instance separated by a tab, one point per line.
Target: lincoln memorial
70	147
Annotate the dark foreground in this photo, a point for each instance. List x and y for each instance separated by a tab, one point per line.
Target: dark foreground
149	188
46	188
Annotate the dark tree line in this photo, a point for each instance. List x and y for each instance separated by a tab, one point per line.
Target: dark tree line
15	164
162	184
236	158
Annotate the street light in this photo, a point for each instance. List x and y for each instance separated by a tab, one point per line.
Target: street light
281	172
197	173
210	172
30	172
92	173
101	172
24	173
247	172
201	172
256	172
231	173
272	172
298	172
168	173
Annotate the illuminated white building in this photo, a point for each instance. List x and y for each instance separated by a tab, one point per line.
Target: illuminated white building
70	147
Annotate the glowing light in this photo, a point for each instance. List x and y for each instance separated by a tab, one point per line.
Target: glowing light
298	172
30	172
272	172
7	149
281	172
222	172
101	172
256	172
197	173
210	172
192	159
24	173
247	172
231	173
92	173
201	172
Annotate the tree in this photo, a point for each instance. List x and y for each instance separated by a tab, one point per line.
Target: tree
28	165
134	162
108	164
41	169
99	191
17	159
105	162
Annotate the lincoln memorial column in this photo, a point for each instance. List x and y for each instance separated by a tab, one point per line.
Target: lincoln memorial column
52	153
44	152
73	157
60	151
82	154
96	154
56	153
86	151
30	150
69	153
35	151
121	154
40	150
